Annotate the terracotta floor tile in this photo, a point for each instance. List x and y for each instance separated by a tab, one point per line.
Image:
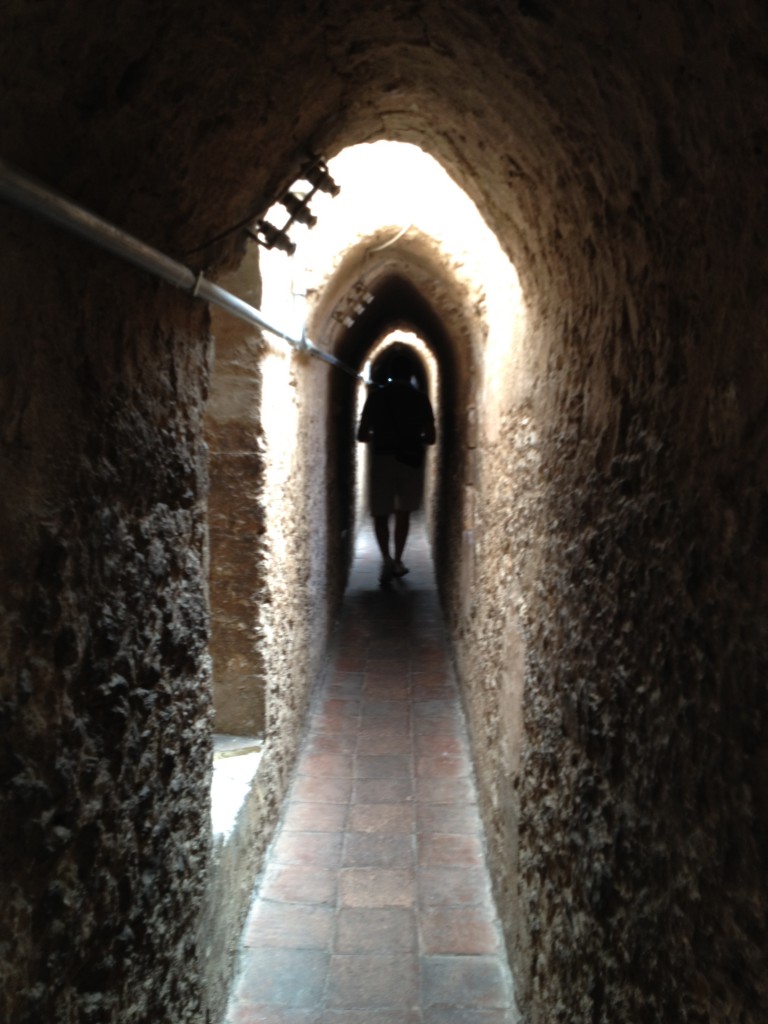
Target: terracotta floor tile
398	1016
357	629
297	884
446	707
335	721
435	656
460	819
375	929
383	766
376	887
351	661
434	691
338	742
426	725
328	766
395	741
343	707
309	789
432	677
382	791
283	977
385	724
458	930
318	849
445	791
247	1013
395	714
396	665
289	925
436	850
435	677
445	766
439	886
309	817
388	653
378	851
333	706
473	981
384	688
345	684
425	660
384	818
373	980
439	745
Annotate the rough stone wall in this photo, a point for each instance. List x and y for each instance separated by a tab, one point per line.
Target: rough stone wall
275	584
234	865
303	594
236	515
105	672
612	657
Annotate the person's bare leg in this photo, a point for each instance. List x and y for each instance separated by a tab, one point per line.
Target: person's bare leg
402	522
381	529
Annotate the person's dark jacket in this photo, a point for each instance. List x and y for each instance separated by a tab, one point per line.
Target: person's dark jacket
397	419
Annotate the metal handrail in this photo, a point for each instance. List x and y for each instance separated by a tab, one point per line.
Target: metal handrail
25	192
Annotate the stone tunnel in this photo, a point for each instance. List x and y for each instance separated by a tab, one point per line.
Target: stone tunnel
598	514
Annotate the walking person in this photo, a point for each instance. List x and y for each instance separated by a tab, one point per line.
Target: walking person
397	422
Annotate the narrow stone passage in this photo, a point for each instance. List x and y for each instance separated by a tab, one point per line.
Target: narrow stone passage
374	906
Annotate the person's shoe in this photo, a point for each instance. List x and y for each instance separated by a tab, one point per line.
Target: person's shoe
387	571
398	569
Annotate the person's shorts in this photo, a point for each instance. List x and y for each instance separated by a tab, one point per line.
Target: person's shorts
393	486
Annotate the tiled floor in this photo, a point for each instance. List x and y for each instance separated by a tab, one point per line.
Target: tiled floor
374	906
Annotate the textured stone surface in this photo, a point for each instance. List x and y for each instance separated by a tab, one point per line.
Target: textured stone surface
610	628
236	514
106	742
274	586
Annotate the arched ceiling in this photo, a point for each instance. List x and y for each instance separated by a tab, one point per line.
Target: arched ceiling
397	305
591	136
555	120
414	287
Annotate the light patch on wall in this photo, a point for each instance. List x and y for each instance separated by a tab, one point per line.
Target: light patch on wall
280	425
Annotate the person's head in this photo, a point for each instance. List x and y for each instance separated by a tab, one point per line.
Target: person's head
400	364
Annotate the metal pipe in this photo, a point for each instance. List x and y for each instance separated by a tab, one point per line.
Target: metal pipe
211	292
333	361
386	245
33	196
